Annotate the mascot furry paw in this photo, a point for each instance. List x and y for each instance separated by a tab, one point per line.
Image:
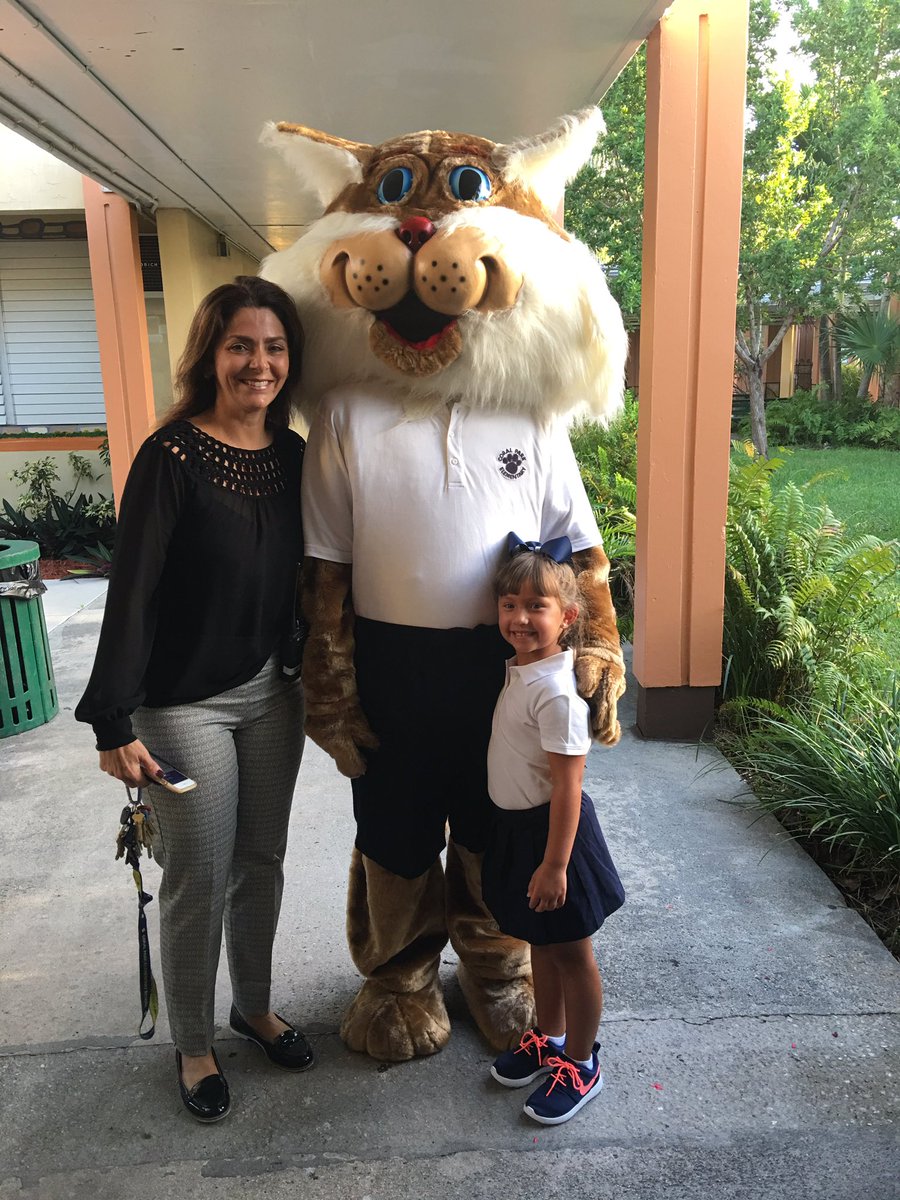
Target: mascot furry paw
451	326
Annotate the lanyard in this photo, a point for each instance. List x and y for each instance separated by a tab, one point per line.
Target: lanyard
134	836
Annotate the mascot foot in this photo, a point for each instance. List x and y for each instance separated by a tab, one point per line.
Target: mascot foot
503	1008
396	1026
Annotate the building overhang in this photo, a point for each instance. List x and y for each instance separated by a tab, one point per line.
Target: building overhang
164	102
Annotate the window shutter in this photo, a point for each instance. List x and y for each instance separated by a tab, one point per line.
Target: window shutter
49	329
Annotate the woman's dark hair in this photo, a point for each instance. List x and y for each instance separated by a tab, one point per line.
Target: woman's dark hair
195	380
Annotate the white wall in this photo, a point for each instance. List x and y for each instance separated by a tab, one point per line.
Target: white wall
12	460
33	179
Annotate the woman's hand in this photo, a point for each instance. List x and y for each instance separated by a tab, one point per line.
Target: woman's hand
132	764
547	889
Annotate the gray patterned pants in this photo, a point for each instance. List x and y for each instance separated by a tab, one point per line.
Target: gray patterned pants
223	844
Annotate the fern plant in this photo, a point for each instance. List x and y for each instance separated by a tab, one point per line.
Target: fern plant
607	459
802	596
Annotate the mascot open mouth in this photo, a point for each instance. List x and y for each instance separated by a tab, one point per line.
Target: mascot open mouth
415	324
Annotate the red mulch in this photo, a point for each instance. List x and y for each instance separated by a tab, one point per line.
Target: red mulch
58	568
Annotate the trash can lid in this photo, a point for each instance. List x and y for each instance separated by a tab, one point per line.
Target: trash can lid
13	554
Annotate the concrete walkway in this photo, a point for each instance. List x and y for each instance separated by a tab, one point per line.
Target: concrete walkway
65	597
751	1041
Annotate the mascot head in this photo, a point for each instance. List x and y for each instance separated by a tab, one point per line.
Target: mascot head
432	263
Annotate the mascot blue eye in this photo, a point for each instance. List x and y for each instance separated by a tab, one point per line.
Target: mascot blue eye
395	185
469	183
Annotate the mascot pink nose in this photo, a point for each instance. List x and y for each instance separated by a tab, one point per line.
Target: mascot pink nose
415	232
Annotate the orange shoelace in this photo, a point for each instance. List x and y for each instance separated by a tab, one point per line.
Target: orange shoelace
567	1073
533	1041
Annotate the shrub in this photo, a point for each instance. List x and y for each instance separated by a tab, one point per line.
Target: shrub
832	774
64	526
811	715
611	448
851	374
607	459
804	419
802	596
94	561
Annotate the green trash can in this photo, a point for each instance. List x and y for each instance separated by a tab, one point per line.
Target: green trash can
27	687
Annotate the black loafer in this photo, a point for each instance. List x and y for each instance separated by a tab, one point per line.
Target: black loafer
209	1100
290	1050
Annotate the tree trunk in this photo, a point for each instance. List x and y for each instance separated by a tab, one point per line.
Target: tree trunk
865	379
892	391
822	348
758	432
834	363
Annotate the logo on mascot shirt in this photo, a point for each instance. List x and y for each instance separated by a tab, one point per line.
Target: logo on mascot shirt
512	463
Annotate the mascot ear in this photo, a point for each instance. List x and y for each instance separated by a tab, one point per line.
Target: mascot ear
324	164
546	163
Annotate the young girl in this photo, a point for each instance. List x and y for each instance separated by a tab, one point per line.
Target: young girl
548	876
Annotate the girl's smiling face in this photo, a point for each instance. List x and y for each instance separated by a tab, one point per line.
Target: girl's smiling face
251	362
533	624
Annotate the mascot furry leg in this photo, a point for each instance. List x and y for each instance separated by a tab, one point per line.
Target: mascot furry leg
396	930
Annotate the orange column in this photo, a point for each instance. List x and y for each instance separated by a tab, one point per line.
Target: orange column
121	325
696	74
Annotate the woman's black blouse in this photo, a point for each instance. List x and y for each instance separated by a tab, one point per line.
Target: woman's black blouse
203	579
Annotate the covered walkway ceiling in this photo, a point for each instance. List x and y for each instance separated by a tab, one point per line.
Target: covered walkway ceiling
163	100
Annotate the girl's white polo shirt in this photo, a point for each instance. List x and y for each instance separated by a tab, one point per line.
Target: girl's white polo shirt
539	710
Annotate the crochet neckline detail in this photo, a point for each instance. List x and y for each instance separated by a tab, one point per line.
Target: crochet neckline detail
256	473
236	450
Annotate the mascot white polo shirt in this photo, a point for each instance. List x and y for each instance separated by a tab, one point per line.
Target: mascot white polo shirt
422	506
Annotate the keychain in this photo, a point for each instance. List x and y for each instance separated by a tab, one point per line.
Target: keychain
136	835
136	832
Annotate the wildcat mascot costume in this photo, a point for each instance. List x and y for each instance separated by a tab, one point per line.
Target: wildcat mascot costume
451	326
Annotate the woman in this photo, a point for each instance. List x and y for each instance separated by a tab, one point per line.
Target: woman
201	601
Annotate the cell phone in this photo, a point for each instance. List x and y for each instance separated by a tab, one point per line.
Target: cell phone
172	779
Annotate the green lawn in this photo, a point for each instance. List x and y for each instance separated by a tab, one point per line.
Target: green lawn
864	491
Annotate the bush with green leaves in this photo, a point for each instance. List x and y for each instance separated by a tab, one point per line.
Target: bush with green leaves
830	772
612	448
804	419
835	767
607	459
802	595
64	525
810	714
851	374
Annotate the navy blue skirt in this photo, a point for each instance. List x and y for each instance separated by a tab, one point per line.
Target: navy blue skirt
516	850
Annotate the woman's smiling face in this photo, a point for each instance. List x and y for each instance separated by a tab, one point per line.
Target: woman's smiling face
251	362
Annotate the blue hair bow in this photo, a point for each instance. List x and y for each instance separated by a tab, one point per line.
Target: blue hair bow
559	549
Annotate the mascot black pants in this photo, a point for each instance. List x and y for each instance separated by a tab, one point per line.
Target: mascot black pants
429	695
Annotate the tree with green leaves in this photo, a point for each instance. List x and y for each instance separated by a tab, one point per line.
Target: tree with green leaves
605	201
821	164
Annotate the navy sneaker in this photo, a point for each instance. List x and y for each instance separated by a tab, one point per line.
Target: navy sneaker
528	1062
568	1089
